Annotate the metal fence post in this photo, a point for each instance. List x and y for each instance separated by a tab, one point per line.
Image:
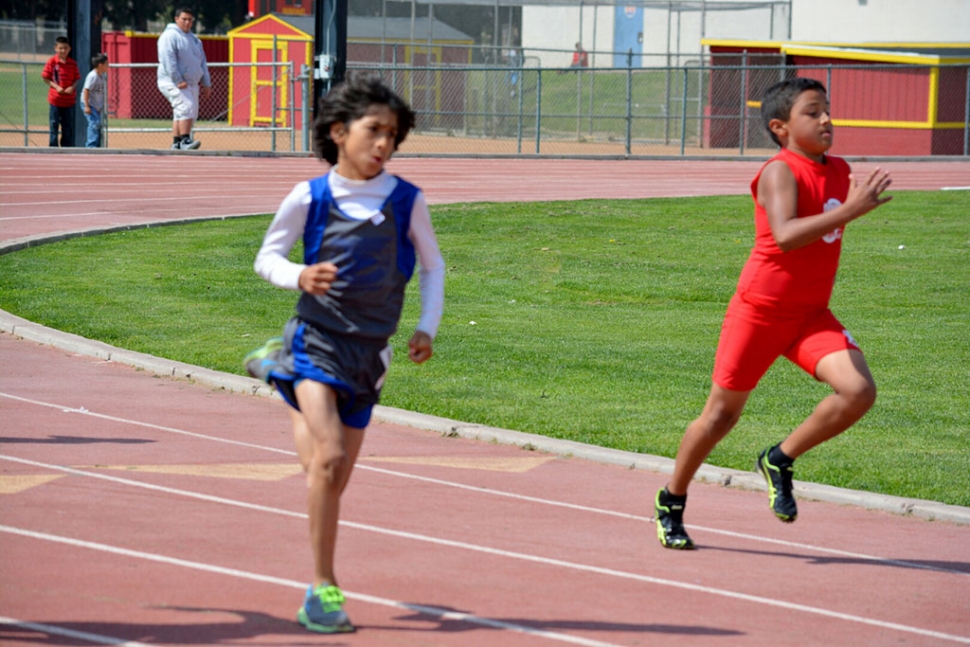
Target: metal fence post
629	102
667	102
683	116
966	118
579	103
292	107
105	111
272	108
519	91
23	85
538	110
744	101
305	106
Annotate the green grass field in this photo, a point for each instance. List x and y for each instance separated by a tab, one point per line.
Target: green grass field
594	321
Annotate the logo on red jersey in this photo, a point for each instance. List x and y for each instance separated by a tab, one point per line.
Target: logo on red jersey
836	233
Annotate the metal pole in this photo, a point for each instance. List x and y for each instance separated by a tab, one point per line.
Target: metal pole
538	107
679	15
579	102
629	99
667	102
272	108
428	104
23	86
744	103
592	64
411	58
670	8
495	39
292	107
789	19
683	115
104	111
580	21
521	87
703	17
966	118
329	40
305	75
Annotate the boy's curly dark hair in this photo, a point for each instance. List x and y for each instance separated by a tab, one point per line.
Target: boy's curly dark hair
778	100
351	100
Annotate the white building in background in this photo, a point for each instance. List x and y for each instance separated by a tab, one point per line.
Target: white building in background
662	32
881	21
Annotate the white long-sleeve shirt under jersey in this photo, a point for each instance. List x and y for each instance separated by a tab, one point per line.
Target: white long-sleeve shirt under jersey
359	199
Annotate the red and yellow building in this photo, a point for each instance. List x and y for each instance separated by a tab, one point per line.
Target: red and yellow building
886	98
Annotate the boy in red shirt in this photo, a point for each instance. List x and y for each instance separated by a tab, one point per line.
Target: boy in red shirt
803	200
62	75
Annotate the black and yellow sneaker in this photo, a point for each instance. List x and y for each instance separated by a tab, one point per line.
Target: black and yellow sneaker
777	470
669	513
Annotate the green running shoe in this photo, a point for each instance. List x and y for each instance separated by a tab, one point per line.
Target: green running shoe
323	611
260	362
778	477
670	522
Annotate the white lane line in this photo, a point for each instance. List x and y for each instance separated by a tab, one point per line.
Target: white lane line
500	493
444	614
506	554
70	633
209	214
179	198
955	188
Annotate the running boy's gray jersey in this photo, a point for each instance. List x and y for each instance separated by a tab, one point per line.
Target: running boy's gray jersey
375	259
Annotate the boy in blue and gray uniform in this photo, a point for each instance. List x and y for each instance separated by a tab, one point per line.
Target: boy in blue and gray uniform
362	231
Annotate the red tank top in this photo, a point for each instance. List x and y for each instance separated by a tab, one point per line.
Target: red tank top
801	278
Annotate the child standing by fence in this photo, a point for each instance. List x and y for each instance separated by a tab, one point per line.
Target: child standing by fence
61	75
93	99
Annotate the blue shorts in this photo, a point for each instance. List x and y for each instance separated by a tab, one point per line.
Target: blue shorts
753	337
353	367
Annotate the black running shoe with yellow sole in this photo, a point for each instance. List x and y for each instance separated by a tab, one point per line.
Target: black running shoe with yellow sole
779	478
670	521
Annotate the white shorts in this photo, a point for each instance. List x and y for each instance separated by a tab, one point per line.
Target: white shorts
185	102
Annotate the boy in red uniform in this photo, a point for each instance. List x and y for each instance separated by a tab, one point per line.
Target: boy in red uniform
62	75
803	200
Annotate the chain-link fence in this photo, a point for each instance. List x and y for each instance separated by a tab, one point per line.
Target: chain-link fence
695	110
23	40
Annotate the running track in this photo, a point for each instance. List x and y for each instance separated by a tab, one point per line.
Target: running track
136	509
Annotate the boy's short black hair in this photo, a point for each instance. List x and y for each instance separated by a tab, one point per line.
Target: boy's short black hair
62	39
351	100
98	59
778	100
180	10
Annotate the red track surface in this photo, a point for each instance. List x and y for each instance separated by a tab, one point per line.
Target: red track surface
138	509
